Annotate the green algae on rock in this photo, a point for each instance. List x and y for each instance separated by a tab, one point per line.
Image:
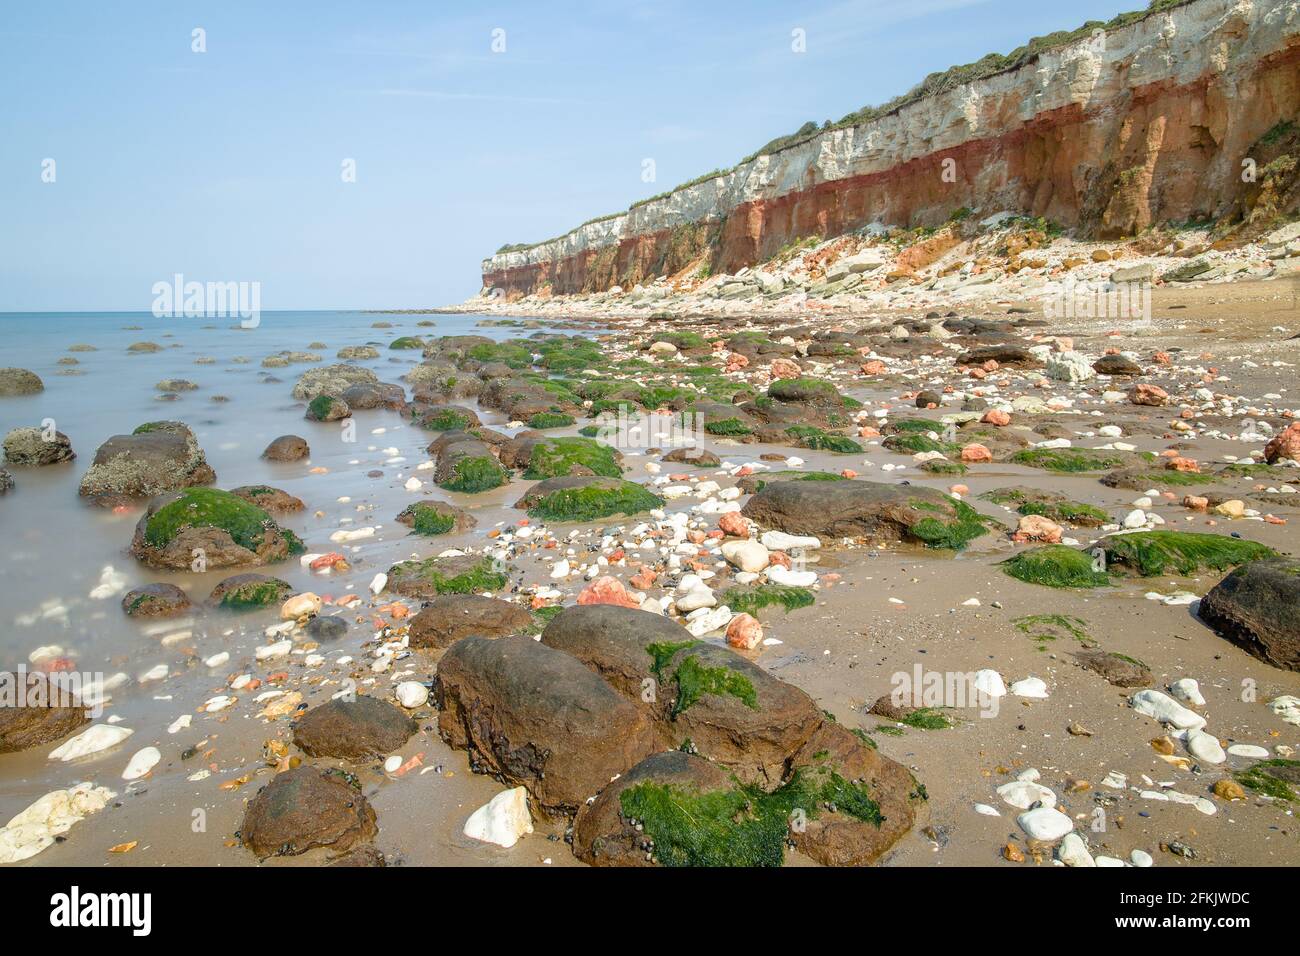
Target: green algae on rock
1150	553
550	420
460	574
433	517
587	498
209	527
555	457
808	436
1056	566
866	509
249	592
1068	460
750	599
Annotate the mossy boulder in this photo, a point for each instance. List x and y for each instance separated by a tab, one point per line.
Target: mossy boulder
1140	478
846	807
156	458
209	527
433	517
753	598
550	419
358	352
1257	607
1151	553
751	484
556	457
155	600
1049	504
407	342
327	408
28	447
586	498
731	711
807	391
444	418
468	466
249	592
457	574
534	716
864	509
809	436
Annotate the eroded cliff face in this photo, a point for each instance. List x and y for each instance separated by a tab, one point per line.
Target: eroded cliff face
1143	124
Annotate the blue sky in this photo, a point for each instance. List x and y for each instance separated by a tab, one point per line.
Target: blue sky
226	165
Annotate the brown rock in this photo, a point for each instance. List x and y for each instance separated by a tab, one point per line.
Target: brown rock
38	709
353	729
537	717
287	448
306	808
449	617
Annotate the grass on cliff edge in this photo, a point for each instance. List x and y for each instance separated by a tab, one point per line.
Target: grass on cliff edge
246	523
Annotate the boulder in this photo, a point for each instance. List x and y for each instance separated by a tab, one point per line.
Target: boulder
1015	356
1286	444
468	466
535	716
604	836
331	380
432	517
586	498
366	395
28	446
1117	669
249	592
355	730
864	509
327	408
1116	365
19	381
449	617
209	525
305	808
273	500
156	458
155	600
1257	607
454	574
287	448
38	710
